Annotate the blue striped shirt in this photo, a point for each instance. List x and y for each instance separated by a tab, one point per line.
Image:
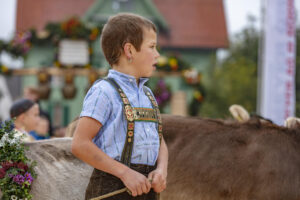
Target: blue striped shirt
104	104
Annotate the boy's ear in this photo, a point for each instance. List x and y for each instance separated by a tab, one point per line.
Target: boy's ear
128	50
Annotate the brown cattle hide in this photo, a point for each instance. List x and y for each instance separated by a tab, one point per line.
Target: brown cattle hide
208	160
214	160
61	176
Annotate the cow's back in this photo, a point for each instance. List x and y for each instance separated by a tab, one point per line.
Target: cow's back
208	160
214	160
61	176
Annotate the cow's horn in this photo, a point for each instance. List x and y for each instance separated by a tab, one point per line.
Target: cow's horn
239	113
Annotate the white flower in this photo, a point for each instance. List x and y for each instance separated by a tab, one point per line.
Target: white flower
13	197
4	139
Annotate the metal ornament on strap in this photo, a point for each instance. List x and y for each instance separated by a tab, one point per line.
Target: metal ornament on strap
132	115
136	114
156	108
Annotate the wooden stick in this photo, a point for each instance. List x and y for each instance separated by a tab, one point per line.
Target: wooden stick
115	193
111	194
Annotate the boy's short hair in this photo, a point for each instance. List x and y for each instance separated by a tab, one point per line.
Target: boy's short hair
121	29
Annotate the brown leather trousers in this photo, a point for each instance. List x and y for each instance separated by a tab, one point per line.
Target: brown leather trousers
102	183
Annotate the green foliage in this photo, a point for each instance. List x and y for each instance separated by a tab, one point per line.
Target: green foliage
72	28
16	170
235	81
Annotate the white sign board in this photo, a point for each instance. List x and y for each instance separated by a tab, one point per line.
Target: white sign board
73	52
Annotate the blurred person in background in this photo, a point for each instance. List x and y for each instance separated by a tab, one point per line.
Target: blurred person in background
58	132
32	93
41	132
25	113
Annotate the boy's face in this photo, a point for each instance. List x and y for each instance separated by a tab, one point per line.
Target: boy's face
144	61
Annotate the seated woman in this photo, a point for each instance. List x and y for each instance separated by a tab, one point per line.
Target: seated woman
26	114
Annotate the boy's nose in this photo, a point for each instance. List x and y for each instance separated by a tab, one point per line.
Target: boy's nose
157	54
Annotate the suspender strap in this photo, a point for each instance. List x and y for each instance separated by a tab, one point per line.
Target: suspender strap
136	114
128	146
156	108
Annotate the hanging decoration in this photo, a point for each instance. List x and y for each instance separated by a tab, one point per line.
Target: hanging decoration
62	34
44	84
53	33
162	93
191	76
5	70
72	29
69	90
92	77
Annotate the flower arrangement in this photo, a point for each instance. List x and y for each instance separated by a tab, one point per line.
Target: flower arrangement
18	46
162	93
190	75
72	28
171	63
5	70
16	170
193	78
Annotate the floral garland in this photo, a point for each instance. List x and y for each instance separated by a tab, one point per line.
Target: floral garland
171	63
18	46
16	170
190	75
162	93
5	70
72	28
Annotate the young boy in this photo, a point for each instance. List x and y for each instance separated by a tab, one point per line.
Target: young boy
119	130
26	114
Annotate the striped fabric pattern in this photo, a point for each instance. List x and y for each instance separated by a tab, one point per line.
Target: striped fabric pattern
103	104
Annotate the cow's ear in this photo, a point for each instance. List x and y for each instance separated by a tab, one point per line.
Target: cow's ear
292	123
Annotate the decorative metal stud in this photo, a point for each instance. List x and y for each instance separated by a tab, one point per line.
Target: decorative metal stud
130	133
130	126
129	113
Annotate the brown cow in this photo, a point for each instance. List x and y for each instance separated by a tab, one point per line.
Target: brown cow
209	160
212	160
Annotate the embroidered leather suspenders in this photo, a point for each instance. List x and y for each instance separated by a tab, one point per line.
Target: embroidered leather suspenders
136	114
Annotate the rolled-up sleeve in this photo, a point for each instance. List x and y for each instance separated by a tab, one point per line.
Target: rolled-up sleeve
96	105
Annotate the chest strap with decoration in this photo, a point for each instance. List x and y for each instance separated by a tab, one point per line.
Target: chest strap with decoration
136	114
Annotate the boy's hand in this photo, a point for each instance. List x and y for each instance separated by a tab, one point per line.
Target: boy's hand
136	182
159	180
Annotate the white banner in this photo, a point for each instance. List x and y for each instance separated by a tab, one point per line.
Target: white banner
278	61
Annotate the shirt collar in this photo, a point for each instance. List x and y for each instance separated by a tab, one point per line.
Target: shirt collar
126	78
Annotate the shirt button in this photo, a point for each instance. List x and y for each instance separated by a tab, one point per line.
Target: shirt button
147	129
